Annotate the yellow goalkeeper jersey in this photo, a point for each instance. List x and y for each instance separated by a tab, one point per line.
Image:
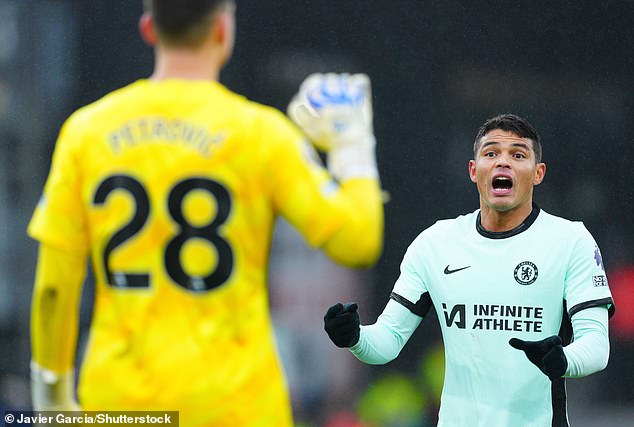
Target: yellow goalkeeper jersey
173	188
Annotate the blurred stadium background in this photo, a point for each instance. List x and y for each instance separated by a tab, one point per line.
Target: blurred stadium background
439	69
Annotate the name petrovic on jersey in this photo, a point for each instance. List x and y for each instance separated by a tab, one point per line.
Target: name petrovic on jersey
495	317
148	130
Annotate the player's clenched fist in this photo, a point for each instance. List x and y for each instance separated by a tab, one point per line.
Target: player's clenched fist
341	322
333	109
335	112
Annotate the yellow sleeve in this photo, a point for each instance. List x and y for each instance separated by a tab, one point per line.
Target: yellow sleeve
55	308
59	218
358	242
346	220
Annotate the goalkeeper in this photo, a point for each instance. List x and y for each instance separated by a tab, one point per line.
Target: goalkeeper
172	185
511	285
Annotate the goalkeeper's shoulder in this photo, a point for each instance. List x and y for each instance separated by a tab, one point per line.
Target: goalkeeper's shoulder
271	133
269	123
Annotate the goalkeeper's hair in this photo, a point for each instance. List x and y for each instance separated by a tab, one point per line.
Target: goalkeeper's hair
183	22
510	123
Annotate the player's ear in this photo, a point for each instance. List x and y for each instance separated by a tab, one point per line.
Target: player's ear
223	26
147	30
540	171
472	171
223	31
219	28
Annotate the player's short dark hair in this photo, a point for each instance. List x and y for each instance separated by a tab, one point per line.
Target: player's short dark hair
510	123
183	22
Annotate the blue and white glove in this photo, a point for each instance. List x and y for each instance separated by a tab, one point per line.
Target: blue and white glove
51	391
335	112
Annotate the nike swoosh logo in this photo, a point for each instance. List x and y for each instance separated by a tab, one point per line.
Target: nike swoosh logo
448	271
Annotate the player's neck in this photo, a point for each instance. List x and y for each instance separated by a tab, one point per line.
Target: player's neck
186	64
499	221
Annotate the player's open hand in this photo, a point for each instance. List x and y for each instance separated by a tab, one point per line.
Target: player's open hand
341	322
547	354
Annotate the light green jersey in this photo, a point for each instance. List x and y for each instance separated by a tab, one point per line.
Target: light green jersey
490	287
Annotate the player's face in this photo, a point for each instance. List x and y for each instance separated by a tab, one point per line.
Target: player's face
505	170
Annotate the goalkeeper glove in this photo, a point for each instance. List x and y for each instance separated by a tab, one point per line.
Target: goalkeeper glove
341	322
51	391
547	354
335	113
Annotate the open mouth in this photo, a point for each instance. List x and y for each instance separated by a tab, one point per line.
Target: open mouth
502	184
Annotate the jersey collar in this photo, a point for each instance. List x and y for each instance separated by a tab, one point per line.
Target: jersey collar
530	219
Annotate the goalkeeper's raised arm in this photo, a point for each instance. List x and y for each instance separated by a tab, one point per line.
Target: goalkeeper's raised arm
334	111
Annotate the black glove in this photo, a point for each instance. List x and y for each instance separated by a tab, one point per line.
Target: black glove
341	322
547	354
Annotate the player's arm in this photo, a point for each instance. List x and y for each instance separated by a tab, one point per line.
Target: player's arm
382	341
374	344
54	328
590	350
358	242
587	354
591	305
335	112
